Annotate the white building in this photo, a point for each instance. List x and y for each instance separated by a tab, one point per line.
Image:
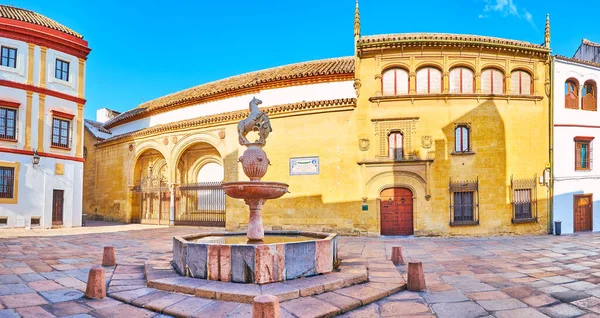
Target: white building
42	77
576	177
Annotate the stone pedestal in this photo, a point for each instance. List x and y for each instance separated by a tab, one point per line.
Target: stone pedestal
96	284
397	258
416	277
265	306
109	258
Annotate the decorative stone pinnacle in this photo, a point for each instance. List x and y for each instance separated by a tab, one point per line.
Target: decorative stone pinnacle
356	21
547	33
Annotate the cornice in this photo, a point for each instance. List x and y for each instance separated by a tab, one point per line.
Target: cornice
279	111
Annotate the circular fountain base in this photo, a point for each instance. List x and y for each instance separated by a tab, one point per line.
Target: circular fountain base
229	257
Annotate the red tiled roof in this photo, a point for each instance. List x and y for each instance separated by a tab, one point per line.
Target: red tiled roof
13	13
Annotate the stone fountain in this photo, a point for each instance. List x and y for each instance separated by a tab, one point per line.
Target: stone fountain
255	256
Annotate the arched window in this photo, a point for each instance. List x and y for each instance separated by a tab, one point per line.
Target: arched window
396	145
394	81
461	81
572	94
492	81
588	96
462	138
429	81
521	83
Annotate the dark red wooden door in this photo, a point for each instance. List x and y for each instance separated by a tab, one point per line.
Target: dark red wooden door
582	213
396	212
57	207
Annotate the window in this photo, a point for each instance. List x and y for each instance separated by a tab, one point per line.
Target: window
521	83
395	145
464	202
62	70
524	199
583	153
8	123
461	138
394	82
9	57
461	81
588	93
572	94
463	206
60	133
429	81
492	81
7	182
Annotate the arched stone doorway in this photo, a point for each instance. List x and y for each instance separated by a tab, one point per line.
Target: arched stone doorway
199	198
151	193
396	211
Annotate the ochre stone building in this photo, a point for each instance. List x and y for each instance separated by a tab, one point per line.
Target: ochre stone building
425	134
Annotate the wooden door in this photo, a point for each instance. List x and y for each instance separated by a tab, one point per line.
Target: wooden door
58	198
582	212
396	212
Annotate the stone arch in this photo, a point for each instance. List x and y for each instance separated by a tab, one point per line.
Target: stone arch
201	162
189	141
138	151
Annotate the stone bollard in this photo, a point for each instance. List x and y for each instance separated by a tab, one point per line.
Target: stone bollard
265	306
397	255
96	284
416	277
109	258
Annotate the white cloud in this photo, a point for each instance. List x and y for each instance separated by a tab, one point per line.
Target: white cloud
506	8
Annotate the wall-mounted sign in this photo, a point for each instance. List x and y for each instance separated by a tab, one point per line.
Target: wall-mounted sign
304	166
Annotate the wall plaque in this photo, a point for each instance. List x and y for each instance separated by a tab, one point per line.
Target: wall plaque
304	166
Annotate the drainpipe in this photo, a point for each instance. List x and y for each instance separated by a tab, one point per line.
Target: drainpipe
551	150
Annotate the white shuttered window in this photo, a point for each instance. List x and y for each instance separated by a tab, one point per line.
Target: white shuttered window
429	81
492	81
461	81
394	81
520	83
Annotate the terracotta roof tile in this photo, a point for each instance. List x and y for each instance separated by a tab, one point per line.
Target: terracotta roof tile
344	65
408	37
570	59
228	117
24	15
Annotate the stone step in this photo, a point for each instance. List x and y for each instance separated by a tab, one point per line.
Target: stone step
357	284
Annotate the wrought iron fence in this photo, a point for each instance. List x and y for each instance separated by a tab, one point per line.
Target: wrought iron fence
200	204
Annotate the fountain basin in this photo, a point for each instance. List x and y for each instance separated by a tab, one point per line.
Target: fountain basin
255	190
207	256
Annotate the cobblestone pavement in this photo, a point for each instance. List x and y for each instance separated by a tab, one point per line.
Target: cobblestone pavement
43	273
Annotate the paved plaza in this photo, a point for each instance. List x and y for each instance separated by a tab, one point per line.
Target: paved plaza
44	273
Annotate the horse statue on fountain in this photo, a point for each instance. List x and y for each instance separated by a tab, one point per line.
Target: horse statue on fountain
256	121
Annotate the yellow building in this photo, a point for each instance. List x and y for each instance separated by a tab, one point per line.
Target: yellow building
431	134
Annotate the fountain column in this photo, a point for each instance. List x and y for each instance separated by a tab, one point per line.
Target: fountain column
256	231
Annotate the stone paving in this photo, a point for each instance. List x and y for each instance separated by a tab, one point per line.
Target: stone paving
43	274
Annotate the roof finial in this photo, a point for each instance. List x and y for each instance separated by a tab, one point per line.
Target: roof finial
356	21
547	33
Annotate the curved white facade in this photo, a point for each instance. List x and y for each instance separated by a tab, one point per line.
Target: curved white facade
270	97
30	193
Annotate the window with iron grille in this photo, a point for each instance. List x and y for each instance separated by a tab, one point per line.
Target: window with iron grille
7	182
9	57
62	70
583	153
8	123
464	202
60	133
524	199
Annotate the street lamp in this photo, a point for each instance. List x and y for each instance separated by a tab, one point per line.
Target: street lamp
36	157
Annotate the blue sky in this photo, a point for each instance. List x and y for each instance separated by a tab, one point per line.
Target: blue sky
142	50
